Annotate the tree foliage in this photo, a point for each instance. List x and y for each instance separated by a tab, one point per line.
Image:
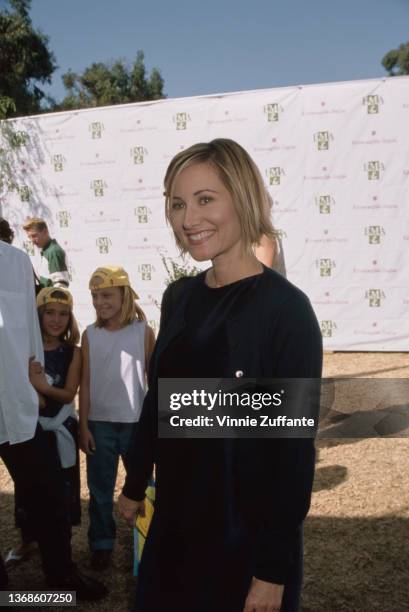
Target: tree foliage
396	61
103	84
25	61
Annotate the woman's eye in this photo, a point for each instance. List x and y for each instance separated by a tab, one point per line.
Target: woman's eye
205	199
176	205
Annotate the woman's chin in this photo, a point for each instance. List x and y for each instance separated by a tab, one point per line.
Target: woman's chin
198	253
199	256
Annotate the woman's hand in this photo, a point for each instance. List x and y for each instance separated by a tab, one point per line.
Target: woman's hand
87	442
129	509
37	376
264	597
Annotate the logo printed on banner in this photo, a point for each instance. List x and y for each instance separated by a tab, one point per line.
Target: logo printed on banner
28	246
324	203
322	139
325	266
96	128
142	213
98	186
103	244
24	191
58	162
374	233
145	271
272	111
274	175
181	120
63	217
328	298
372	103
374	169
138	154
327	327
375	297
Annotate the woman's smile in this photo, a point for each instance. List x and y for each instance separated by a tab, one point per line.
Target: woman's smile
199	238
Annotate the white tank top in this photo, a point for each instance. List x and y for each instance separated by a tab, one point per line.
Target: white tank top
117	372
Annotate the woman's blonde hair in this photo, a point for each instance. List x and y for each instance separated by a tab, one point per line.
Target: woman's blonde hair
240	176
130	310
71	335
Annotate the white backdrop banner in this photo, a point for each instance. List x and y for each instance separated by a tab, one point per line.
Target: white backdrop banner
335	159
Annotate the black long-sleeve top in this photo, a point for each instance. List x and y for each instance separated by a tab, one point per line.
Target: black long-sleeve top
264	327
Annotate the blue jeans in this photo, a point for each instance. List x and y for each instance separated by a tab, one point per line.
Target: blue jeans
112	440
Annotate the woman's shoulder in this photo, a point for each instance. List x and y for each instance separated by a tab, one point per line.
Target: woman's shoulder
279	289
175	290
288	307
184	282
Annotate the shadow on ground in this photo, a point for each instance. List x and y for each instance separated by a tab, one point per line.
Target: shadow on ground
354	564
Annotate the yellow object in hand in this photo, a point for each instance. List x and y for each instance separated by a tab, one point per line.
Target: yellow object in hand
142	523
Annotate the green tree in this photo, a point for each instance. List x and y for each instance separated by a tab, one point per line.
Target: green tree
25	61
103	84
396	61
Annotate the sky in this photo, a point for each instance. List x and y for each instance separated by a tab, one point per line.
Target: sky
217	46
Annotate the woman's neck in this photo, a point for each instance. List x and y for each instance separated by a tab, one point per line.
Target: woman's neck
224	271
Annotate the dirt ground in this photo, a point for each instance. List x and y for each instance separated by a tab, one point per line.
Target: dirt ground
356	535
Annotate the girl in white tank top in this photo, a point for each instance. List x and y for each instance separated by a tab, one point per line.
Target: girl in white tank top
116	352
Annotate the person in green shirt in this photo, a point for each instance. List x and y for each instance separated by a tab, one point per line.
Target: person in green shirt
53	270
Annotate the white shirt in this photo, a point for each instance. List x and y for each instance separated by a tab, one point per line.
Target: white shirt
20	339
117	372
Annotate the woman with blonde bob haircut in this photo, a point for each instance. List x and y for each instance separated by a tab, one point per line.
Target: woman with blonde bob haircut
226	534
240	176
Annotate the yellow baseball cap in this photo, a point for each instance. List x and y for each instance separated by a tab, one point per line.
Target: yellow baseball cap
110	276
57	295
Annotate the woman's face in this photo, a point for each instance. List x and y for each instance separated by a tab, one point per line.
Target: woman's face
203	215
55	319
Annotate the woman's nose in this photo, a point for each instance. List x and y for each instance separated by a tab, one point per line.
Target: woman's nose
191	217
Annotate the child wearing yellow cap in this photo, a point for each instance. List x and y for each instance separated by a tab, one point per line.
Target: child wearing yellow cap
116	352
57	384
